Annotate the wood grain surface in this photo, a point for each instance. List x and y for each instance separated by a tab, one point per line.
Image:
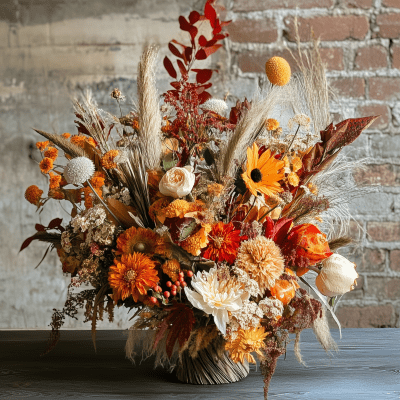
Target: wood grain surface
366	367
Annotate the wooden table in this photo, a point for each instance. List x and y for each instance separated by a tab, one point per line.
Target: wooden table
366	367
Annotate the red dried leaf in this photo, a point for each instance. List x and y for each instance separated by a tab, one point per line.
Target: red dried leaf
169	67
27	242
204	75
188	54
211	42
40	228
202	54
181	67
203	97
55	223
194	16
210	13
185	26
202	41
180	44
175	85
277	231
174	50
181	320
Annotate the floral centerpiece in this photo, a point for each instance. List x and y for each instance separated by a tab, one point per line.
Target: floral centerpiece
204	221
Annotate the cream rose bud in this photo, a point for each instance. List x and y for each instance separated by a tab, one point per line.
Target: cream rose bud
338	276
177	182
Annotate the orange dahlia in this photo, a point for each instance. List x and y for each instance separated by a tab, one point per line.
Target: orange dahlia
46	165
246	342
132	276
55	180
262	173
223	243
42	145
107	161
33	194
51	152
141	240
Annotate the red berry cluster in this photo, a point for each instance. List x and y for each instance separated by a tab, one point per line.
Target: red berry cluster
173	288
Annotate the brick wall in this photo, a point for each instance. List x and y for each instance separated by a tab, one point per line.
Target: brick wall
51	48
360	44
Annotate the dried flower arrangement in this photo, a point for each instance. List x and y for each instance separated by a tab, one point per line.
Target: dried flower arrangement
204	223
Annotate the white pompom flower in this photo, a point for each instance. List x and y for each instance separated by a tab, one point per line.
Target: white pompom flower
215	105
337	276
79	170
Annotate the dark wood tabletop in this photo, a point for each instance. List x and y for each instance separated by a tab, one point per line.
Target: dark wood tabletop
367	366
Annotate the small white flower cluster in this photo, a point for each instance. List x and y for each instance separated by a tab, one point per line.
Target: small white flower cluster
90	219
103	235
66	242
300	119
122	195
250	284
271	307
249	315
217	106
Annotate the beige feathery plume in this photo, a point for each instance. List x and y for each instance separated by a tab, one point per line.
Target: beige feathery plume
149	109
64	144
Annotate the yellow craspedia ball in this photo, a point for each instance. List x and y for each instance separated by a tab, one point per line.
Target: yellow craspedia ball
278	71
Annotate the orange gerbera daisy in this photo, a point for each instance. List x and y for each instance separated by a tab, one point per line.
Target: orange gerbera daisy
223	243
141	240
246	342
262	173
46	165
132	276
33	194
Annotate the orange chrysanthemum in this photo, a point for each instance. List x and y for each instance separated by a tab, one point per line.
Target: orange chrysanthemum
66	135
246	342
262	173
46	165
55	181
56	194
88	196
42	145
107	161
141	240
278	71
193	244
97	181
178	208
172	269
132	276
33	194
223	243
51	152
271	124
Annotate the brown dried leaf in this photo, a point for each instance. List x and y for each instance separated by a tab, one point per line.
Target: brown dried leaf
122	211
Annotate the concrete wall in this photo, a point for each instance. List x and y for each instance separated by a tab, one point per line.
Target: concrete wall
52	49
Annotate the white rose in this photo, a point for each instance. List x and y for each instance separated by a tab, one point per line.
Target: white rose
338	276
177	182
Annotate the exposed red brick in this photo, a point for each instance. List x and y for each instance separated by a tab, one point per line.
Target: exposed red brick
389	25
356	3
396	56
254	61
373	57
373	260
355	230
384	174
366	317
384	231
395	260
384	88
261	5
329	27
391	3
255	31
382	287
349	87
376	109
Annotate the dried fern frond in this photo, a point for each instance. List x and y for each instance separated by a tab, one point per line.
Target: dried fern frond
64	144
149	109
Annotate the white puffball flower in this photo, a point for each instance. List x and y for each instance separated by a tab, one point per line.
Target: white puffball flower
177	182
215	105
338	276
79	170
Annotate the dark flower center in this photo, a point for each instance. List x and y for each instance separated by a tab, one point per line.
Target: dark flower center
256	175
